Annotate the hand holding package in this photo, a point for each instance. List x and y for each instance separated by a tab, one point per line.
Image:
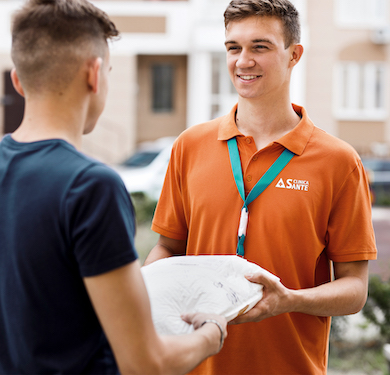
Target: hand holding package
209	284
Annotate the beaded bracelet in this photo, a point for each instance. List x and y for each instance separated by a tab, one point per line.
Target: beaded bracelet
220	328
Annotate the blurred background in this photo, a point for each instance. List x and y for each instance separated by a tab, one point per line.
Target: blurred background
169	73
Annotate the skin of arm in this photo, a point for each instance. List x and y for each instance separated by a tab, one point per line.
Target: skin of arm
122	305
165	248
345	295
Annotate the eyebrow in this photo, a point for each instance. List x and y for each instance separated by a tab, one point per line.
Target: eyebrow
253	41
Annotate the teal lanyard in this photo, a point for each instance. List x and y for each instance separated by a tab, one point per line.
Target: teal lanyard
260	186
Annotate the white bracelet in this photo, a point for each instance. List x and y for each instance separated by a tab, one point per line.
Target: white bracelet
220	328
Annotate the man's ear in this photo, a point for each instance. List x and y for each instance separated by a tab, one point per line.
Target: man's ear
94	69
296	54
16	83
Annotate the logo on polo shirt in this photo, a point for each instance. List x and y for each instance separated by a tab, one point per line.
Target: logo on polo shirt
293	184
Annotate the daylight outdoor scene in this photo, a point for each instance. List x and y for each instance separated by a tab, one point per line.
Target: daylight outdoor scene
169	73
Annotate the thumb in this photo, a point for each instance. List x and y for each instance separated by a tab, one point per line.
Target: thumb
263	277
188	318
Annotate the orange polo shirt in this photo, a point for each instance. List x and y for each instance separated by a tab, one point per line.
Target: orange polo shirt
317	209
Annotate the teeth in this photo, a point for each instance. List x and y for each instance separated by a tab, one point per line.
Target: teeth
248	78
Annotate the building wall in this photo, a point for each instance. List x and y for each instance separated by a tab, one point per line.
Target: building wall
330	44
152	123
114	136
194	30
320	61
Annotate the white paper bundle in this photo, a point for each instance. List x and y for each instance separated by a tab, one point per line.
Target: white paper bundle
209	284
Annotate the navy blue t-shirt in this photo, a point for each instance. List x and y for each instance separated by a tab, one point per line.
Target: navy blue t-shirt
63	216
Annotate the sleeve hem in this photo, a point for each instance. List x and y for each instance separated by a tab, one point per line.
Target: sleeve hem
168	233
107	266
355	257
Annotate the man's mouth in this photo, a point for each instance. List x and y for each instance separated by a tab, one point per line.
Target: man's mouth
247	77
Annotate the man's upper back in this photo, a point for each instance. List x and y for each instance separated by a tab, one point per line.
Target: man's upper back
56	213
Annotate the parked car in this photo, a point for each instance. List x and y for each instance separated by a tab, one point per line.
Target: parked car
378	171
144	171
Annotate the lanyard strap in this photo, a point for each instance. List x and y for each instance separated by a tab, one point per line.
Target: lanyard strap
260	186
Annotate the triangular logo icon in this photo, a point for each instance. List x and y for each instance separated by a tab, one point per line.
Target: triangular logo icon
281	184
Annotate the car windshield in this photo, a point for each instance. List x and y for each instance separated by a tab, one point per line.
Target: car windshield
140	159
376	164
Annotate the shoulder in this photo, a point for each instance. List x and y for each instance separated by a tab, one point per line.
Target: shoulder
101	172
337	151
84	178
203	131
197	138
331	142
336	164
100	180
84	168
321	144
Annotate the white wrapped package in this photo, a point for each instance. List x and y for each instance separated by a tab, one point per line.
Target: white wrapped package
207	283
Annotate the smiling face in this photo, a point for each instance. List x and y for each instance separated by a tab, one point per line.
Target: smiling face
259	65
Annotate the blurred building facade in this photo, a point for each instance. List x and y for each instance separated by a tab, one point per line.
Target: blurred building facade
169	72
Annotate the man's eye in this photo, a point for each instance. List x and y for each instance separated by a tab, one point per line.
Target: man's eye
233	48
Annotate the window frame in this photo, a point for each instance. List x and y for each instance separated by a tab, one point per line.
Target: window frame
223	93
360	91
163	87
361	14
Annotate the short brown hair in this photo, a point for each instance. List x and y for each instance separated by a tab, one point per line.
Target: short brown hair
237	10
51	38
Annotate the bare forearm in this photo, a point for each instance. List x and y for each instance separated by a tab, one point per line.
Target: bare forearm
340	297
165	248
184	353
158	252
346	295
122	305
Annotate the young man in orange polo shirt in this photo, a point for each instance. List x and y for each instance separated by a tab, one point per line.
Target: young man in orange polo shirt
314	210
73	300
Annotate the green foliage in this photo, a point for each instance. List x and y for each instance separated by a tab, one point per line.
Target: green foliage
145	238
352	358
382	196
144	207
338	328
377	308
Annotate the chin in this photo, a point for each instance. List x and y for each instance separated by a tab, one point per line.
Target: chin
249	96
89	128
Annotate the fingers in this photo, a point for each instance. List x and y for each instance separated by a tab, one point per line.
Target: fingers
256	314
263	277
187	317
197	319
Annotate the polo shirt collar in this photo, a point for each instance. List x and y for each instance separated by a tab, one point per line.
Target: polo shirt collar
296	140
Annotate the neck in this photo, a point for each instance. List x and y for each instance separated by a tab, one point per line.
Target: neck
265	122
51	117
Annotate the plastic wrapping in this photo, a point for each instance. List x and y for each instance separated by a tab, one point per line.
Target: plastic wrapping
209	284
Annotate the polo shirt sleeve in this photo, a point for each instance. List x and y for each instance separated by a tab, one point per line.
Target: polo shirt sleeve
169	219
100	217
350	234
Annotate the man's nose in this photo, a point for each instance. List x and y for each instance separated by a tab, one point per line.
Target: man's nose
245	60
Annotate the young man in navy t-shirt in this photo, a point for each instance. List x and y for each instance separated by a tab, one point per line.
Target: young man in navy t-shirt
72	298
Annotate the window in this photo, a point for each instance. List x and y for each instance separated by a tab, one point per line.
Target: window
361	13
360	91
224	95
162	87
